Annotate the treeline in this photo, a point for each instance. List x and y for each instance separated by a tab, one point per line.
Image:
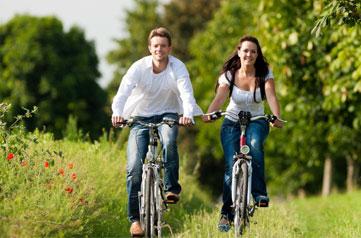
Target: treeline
313	48
42	65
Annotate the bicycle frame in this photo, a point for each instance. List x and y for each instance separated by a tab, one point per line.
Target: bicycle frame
152	164
240	157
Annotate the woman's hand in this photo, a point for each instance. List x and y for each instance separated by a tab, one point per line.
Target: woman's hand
277	123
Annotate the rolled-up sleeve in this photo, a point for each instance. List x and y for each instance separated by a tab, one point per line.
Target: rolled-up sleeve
223	79
128	83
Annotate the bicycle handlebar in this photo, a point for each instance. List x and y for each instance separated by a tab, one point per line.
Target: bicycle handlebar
218	114
130	122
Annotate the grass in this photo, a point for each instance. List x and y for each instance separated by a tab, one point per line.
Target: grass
336	216
36	199
41	197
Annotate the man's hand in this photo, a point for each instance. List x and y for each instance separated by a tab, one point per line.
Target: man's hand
116	120
186	121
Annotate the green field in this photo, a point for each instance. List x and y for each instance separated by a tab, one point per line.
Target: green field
77	189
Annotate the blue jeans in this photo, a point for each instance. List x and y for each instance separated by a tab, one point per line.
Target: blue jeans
136	151
256	134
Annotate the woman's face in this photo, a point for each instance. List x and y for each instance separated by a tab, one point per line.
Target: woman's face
248	53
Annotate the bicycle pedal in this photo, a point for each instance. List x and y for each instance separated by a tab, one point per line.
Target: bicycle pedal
262	204
170	201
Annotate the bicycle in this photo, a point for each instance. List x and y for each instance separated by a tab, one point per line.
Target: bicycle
152	204
241	186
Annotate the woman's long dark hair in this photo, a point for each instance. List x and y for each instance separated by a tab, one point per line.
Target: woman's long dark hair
234	63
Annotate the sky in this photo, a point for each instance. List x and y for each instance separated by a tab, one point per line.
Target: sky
102	21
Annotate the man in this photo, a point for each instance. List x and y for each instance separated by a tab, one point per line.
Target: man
154	87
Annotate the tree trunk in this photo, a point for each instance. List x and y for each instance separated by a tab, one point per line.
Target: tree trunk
350	180
327	177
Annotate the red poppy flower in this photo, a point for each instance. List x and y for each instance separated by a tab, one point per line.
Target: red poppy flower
73	176
61	171
69	189
70	165
46	164
10	156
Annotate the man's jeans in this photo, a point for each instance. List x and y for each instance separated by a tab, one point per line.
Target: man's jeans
137	148
256	133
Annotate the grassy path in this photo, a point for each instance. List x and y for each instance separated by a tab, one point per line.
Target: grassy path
336	216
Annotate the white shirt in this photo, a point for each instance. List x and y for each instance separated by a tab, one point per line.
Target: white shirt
143	93
242	100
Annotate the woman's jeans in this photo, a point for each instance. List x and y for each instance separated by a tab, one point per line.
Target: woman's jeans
256	134
137	148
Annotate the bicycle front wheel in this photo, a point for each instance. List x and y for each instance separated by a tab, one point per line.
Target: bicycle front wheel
148	206
158	208
241	215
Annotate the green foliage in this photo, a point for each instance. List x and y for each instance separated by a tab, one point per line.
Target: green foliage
317	92
184	19
56	70
13	140
338	12
295	57
72	132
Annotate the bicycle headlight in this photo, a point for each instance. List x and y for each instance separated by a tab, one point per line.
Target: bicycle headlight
245	149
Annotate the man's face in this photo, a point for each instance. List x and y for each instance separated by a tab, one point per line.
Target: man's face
159	48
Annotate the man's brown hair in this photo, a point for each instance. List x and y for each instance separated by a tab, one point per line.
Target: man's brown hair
162	32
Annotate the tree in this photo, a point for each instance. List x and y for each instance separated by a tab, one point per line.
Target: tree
185	18
57	71
320	76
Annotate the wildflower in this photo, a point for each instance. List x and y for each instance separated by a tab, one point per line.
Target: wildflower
61	171
10	156
70	165
69	189
24	163
46	164
73	176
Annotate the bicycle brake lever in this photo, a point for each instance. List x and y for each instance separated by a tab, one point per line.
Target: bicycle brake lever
215	115
272	118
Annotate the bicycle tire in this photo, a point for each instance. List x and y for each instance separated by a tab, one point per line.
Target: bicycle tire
148	201
236	204
158	209
241	214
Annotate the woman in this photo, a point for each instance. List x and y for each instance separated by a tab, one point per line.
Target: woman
247	80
